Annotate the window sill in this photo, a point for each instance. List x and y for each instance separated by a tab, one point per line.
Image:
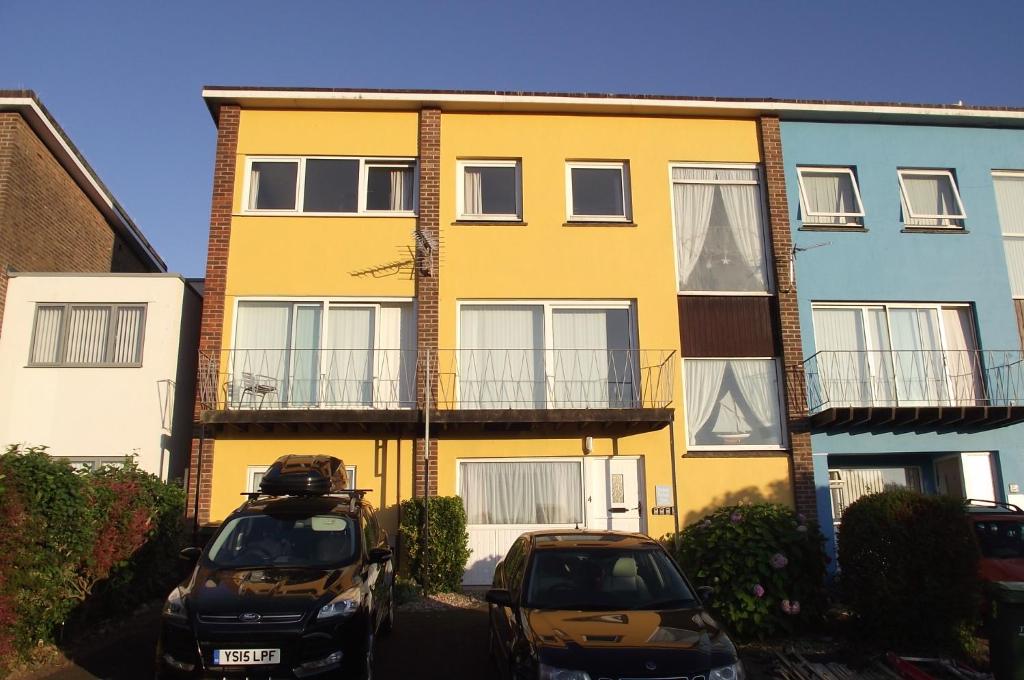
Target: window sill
934	230
139	365
250	213
735	452
855	228
489	223
726	293
598	223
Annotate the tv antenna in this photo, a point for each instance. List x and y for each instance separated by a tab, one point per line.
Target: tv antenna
801	249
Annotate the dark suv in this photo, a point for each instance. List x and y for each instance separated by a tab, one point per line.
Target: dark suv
296	583
585	605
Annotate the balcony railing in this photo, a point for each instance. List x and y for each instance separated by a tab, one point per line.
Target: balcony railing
496	379
481	379
911	378
260	379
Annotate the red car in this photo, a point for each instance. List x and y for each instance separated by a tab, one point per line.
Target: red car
999	528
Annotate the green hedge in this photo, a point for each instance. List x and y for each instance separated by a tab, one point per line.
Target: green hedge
440	567
77	544
909	568
765	562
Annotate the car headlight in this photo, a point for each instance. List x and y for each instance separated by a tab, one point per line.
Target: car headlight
731	672
552	673
345	604
174	607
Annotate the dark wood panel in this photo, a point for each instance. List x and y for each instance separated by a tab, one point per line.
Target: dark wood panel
727	326
1019	306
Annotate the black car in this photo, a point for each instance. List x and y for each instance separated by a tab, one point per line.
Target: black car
580	605
292	585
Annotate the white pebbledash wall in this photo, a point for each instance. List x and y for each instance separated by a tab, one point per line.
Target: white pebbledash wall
104	412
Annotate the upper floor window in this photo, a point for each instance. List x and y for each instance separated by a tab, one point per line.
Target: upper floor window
331	186
88	335
597	191
830	197
321	353
489	190
733	403
1009	186
930	198
719	229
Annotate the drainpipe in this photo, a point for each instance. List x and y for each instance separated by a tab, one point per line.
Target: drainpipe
426	475
675	493
198	483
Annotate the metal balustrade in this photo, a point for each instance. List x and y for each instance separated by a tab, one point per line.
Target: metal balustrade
466	379
910	378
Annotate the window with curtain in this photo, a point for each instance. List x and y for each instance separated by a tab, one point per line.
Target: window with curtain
598	191
332	186
522	492
930	198
504	360
1009	188
830	197
848	485
322	354
719	230
490	190
88	335
732	403
895	355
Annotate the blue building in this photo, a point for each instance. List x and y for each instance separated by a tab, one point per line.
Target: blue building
908	235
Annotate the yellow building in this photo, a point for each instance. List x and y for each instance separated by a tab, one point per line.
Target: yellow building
528	283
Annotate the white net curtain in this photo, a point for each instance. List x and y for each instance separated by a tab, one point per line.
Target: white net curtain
533	492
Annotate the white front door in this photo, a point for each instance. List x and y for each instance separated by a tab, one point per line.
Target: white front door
613	494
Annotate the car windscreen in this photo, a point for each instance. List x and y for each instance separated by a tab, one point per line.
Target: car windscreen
285	541
1000	539
594	579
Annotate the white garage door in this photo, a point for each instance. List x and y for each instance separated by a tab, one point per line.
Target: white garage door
505	498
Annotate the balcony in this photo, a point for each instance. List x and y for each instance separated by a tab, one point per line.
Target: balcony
360	392
912	390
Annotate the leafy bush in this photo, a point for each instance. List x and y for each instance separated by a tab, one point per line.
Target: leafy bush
440	567
909	568
79	542
765	563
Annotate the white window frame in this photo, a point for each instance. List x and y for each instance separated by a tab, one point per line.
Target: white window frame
532	459
627	201
365	162
325	304
252	470
837	520
549	307
908	211
63	332
806	212
869	344
460	189
765	229
783	444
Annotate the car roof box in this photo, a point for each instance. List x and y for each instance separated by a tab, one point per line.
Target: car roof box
304	475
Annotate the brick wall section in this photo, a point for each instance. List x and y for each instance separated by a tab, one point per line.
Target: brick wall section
427	291
802	471
213	300
46	222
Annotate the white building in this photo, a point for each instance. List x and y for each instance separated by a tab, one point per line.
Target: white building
101	366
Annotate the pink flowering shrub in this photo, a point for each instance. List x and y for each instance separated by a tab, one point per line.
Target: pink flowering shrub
765	562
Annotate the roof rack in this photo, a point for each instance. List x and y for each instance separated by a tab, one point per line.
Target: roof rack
999	504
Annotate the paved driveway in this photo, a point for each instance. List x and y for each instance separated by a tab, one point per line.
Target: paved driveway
446	644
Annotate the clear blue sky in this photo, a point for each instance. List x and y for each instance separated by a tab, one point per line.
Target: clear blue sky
123	77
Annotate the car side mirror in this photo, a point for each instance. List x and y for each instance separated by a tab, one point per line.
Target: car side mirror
190	553
378	555
706	594
499	596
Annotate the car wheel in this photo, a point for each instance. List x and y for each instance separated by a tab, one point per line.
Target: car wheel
388	624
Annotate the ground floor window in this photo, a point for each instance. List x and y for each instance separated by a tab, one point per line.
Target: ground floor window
848	485
93	462
534	492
